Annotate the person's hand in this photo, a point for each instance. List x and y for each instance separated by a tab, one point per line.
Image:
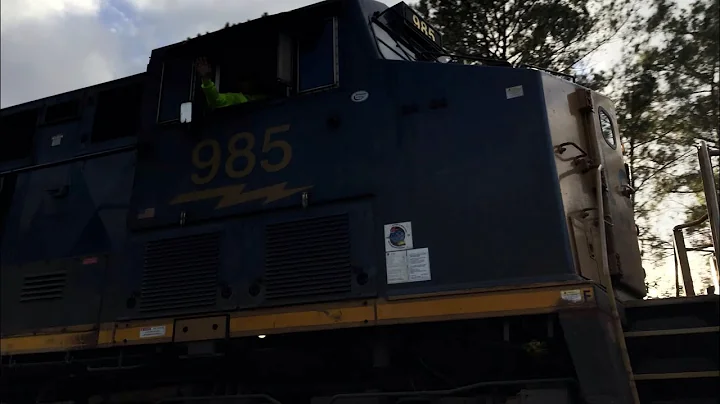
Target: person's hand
202	67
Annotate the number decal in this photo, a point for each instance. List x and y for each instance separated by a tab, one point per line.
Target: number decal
416	21
213	162
423	27
241	160
276	144
245	152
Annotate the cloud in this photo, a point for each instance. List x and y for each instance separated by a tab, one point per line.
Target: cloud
53	46
13	11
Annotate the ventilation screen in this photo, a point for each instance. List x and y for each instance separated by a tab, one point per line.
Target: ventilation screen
16	135
48	286
62	111
180	273
308	258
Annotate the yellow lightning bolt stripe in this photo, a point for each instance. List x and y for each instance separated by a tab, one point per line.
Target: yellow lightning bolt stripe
233	195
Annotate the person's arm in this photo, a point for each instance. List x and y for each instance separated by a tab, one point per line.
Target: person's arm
213	97
217	100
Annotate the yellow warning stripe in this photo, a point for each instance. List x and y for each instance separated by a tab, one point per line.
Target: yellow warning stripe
370	312
470	306
48	342
363	313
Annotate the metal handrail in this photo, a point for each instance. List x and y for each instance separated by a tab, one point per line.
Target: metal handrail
713	213
711	195
607	281
681	257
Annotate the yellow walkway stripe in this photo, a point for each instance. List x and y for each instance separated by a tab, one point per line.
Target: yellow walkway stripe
332	315
302	320
475	306
48	343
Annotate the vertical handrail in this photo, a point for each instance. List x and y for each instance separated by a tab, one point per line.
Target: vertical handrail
682	255
607	281
711	196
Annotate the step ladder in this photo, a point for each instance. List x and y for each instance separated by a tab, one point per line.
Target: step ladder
669	347
673	348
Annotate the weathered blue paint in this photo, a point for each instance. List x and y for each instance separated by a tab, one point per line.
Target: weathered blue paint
439	145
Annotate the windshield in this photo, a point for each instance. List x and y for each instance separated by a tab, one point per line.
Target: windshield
389	47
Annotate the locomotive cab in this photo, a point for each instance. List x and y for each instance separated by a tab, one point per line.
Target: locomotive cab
271	58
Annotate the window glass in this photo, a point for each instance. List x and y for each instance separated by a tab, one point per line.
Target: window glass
390	48
16	134
117	113
606	127
316	58
176	80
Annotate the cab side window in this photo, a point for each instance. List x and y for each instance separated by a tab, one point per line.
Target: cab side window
606	127
175	89
17	133
317	58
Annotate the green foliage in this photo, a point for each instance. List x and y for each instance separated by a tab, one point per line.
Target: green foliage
553	34
668	101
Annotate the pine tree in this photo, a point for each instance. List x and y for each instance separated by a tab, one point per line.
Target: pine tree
552	34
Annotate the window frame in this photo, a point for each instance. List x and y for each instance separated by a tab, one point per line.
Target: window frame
161	93
336	63
411	57
601	112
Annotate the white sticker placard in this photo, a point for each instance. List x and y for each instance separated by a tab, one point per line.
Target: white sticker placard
397	267
398	236
150	332
514	92
56	140
418	265
408	266
574	295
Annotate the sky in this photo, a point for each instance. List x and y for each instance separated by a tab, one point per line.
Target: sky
52	46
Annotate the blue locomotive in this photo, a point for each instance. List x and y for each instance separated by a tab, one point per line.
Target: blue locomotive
386	217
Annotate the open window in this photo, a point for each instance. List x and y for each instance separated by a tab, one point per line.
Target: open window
255	59
242	71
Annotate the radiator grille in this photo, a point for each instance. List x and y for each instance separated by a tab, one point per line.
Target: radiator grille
180	273
308	258
48	286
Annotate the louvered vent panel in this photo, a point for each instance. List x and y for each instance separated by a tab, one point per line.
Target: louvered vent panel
48	286
180	273
308	258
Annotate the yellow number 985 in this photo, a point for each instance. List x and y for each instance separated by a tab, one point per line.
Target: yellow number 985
240	150
213	162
